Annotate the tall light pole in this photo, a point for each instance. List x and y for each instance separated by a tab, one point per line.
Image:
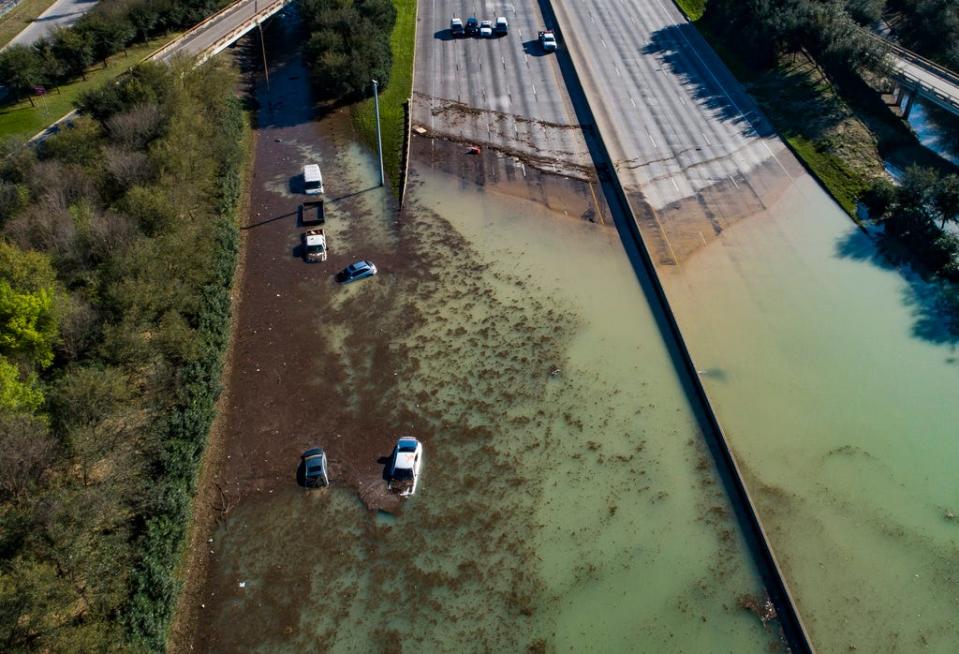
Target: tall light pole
379	137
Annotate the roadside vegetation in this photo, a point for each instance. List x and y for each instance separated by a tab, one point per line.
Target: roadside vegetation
15	20
118	242
353	42
930	27
107	29
819	78
394	99
27	117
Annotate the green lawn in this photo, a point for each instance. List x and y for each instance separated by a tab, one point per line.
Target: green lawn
22	15
694	9
392	117
23	120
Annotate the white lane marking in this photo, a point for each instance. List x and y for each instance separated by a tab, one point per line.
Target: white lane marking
604	42
706	136
633	101
651	140
618	73
728	97
673	180
733	180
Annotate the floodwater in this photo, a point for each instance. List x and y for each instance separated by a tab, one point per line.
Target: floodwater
835	377
936	129
567	502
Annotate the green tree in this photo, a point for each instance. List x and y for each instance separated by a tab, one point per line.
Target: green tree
21	70
28	325
74	49
108	32
946	199
18	394
28	320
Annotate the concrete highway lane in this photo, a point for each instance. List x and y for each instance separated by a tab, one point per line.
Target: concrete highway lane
503	92
692	150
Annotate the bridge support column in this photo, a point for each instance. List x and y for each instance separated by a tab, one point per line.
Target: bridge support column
910	99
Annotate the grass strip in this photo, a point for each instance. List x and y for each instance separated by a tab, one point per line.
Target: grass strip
392	99
21	119
19	17
694	9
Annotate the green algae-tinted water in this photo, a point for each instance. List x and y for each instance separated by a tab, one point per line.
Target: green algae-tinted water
836	383
566	503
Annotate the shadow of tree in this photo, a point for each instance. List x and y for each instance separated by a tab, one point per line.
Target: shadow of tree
682	49
932	302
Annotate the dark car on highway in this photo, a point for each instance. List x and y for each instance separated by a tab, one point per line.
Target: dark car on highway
359	270
472	26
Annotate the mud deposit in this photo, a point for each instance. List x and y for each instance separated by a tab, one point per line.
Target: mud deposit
553	500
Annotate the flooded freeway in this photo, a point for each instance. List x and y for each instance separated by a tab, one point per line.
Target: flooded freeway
567	502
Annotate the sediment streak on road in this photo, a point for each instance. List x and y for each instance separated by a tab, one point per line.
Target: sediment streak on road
505	92
692	150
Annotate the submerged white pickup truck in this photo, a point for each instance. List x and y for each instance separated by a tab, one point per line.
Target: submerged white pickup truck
314	245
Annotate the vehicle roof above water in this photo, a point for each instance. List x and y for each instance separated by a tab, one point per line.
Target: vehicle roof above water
311	173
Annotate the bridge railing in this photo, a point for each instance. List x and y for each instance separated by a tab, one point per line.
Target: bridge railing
263	10
202	26
914	58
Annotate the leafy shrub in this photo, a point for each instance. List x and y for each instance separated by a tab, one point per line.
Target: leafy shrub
349	45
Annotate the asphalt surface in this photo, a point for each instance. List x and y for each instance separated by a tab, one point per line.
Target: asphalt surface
691	149
236	20
61	13
503	92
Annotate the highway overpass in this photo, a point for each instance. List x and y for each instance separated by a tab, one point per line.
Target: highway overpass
209	37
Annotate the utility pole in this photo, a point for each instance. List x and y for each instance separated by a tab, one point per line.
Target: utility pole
266	69
379	137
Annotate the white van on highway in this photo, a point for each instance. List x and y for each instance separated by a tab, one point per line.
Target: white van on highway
312	180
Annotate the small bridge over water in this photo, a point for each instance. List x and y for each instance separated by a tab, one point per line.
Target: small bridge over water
917	76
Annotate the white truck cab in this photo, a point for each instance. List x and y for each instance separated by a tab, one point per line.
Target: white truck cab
314	245
312	179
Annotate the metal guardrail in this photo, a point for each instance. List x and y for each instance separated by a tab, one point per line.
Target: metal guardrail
933	93
206	23
927	64
259	16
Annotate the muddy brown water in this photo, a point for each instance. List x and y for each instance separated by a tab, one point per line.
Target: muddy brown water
567	502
